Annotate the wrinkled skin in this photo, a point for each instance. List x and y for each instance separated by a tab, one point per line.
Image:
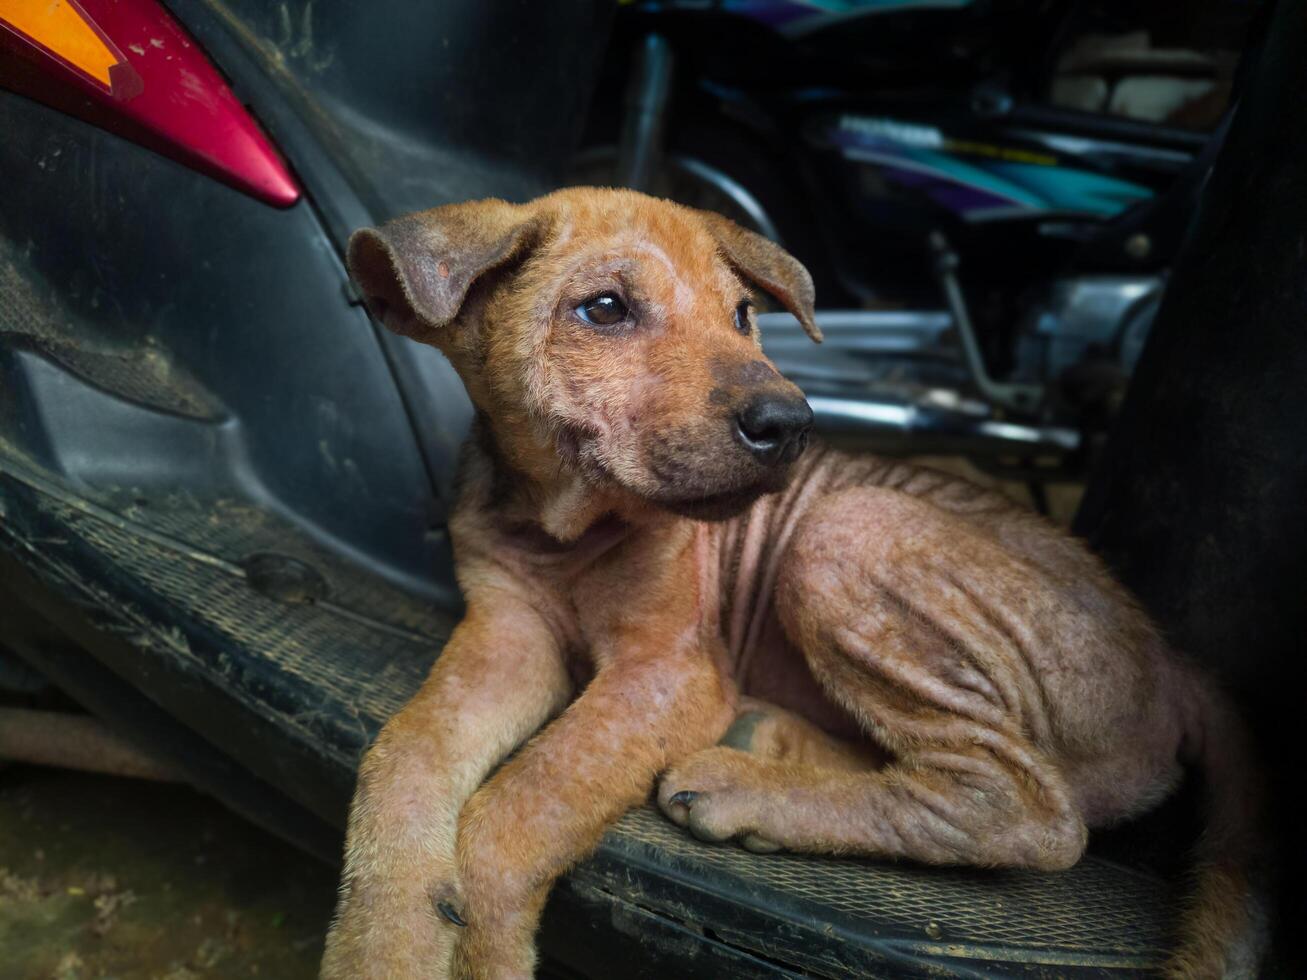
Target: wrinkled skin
894	662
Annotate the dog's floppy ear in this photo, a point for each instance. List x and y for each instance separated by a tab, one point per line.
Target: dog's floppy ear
769	267
415	271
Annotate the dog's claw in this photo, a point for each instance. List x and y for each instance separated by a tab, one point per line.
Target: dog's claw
451	913
684	798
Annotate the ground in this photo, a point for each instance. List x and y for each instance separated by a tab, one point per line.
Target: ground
102	877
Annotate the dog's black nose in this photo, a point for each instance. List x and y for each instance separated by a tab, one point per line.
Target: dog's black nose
774	429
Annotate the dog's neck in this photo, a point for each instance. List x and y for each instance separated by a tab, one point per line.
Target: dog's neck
530	485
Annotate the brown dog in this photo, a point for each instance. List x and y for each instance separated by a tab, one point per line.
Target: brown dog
916	667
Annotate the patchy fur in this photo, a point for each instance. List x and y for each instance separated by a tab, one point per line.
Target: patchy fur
894	661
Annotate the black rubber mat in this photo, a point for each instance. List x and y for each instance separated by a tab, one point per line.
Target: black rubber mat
292	692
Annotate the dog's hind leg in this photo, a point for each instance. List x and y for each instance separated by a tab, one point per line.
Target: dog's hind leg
771	732
919	627
961	810
767	732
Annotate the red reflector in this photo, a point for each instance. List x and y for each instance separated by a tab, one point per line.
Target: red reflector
127	66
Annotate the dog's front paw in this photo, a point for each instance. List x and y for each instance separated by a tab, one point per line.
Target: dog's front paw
717	795
501	901
396	924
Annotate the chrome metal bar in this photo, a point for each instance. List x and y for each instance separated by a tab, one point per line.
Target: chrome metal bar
1023	397
902	424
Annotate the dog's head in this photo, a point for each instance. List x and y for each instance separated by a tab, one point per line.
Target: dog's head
606	332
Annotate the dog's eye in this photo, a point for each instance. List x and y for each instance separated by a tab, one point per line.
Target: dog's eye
742	317
603	310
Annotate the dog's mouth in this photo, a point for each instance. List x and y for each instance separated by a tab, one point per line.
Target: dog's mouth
719	504
714	506
703	485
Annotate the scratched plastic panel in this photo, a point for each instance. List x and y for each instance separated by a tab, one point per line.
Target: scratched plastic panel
304	642
33	318
356	658
234	530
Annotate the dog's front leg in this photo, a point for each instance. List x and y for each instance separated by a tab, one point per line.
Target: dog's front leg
549	806
500	676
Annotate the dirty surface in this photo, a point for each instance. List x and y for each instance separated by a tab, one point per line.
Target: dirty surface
102	877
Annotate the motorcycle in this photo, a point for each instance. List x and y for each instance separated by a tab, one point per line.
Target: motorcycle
990	261
223	490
